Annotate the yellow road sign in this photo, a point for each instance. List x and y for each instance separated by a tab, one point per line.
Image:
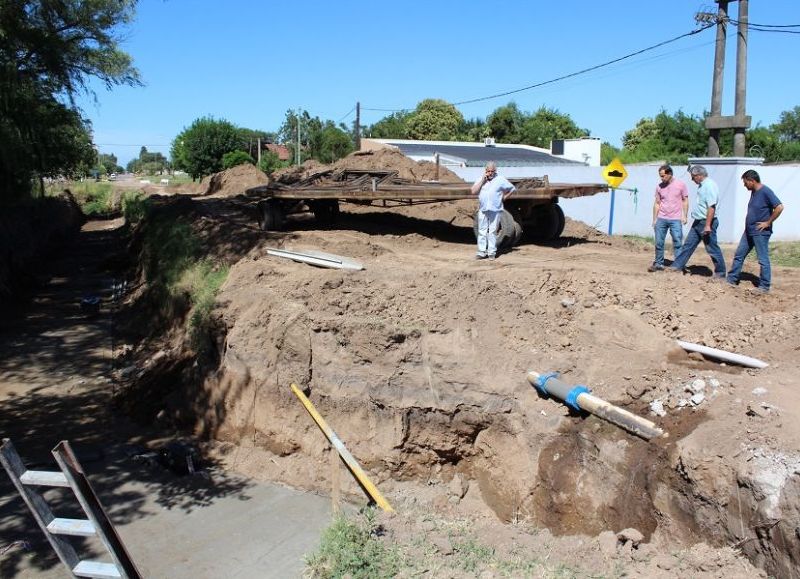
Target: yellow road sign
615	173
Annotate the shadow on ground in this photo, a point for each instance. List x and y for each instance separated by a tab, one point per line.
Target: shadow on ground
55	369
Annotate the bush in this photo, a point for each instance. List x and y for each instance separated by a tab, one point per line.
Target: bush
94	198
236	158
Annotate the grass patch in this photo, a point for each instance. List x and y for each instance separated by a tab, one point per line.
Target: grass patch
785	253
180	280
134	207
640	239
351	547
95	198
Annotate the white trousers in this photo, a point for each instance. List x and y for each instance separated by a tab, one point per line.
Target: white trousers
487	232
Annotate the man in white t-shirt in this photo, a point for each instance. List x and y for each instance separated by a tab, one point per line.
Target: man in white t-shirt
492	190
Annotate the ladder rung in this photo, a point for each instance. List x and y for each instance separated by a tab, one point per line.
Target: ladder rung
96	569
77	527
44	478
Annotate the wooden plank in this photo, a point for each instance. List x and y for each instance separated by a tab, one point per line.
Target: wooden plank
76	527
426	191
44	478
96	569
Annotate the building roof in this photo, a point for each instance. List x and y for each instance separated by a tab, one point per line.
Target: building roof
478	154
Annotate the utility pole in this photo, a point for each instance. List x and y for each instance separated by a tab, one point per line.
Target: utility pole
297	150
259	151
741	81
358	126
716	121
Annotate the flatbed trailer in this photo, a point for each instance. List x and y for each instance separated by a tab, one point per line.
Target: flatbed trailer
533	207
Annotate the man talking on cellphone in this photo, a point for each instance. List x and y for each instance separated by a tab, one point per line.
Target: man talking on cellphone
491	189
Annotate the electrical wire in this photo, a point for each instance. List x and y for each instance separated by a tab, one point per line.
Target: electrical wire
768	25
346	115
585	70
560	78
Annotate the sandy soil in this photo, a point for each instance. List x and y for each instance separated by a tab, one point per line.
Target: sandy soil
419	363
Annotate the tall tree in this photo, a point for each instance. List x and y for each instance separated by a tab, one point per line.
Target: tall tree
434	119
505	123
199	149
49	49
547	124
394	126
788	126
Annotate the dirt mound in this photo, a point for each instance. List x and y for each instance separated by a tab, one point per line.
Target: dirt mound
419	361
390	159
233	181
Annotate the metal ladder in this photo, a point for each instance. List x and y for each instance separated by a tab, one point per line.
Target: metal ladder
98	524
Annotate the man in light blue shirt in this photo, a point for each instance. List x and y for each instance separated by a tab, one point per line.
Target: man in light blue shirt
492	190
704	224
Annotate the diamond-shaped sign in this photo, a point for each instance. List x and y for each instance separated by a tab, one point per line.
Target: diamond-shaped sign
615	173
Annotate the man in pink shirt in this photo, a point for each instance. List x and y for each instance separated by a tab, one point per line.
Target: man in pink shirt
670	213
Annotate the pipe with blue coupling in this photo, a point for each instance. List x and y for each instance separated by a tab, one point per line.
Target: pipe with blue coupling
580	398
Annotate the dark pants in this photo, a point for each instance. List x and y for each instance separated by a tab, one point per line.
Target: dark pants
710	241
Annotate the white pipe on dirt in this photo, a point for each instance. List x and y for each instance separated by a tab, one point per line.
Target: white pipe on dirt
579	398
723	355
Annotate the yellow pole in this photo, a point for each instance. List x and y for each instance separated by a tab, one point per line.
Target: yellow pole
351	462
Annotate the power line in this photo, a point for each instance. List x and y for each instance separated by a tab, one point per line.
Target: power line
585	70
560	78
768	25
346	115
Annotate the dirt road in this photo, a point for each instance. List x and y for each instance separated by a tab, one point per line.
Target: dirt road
55	368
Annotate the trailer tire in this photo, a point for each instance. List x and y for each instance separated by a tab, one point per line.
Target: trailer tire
270	215
326	211
506	230
547	222
518	232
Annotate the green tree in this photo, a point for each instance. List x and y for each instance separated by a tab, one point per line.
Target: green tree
236	158
394	126
270	162
198	150
335	143
545	125
669	137
434	120
49	49
788	126
109	163
505	123
473	130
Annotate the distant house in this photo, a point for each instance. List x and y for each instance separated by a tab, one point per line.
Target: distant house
455	154
281	150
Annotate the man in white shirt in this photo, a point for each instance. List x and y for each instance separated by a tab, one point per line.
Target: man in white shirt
492	190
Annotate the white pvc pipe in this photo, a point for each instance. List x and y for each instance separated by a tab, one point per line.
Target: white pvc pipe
723	355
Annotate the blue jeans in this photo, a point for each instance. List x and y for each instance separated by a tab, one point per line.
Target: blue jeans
488	222
675	228
710	241
746	245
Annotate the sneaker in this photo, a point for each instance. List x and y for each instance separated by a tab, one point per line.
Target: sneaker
492	257
479	256
655	267
759	290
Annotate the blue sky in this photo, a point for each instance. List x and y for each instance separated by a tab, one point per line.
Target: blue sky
249	61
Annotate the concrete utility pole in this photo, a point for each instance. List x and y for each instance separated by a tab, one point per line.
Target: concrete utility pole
740	121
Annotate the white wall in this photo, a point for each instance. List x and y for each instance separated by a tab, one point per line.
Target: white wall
633	214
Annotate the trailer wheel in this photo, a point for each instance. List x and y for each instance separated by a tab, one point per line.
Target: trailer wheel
518	232
547	223
562	221
326	211
270	215
506	230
